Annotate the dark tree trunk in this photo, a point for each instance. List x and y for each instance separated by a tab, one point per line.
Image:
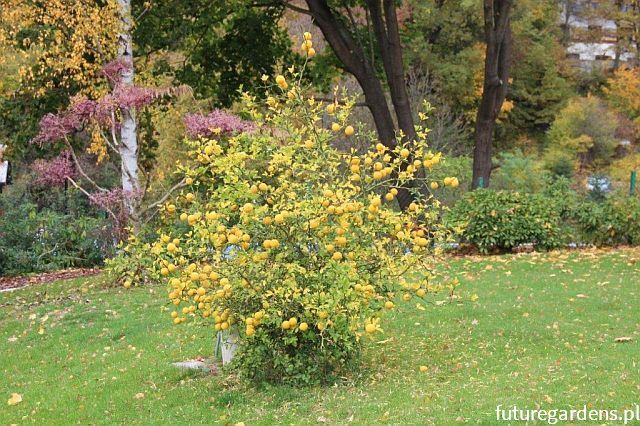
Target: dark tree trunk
635	12
497	29
355	62
388	38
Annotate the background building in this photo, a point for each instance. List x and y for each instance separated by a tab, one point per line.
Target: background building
598	33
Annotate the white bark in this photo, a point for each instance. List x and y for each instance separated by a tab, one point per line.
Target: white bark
128	132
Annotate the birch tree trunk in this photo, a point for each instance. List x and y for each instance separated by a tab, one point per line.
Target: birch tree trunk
128	132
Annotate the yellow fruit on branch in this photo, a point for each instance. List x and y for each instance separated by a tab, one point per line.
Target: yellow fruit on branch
280	80
296	229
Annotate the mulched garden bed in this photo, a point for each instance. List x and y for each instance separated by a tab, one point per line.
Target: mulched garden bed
7	283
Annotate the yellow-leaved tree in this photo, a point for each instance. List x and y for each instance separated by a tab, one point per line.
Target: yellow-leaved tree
62	43
623	93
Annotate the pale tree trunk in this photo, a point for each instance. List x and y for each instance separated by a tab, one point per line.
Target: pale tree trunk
128	132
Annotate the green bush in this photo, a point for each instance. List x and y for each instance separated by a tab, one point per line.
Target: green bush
519	172
502	220
621	224
36	241
614	221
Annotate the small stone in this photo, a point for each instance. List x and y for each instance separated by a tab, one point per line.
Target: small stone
193	365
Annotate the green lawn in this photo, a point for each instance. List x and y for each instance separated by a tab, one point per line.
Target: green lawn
542	333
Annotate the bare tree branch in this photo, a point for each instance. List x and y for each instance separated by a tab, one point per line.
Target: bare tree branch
91	197
296	8
164	198
80	169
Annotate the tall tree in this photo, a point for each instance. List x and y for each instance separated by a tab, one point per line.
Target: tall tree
538	86
445	45
497	32
204	44
52	50
342	31
128	147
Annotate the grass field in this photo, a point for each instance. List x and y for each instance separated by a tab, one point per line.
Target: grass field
541	334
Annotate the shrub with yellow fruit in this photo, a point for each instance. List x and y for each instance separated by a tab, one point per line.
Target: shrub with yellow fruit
297	246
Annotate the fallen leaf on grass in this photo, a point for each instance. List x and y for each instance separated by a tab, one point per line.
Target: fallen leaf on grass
139	395
623	339
16	398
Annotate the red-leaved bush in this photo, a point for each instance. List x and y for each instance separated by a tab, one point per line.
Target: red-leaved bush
217	121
